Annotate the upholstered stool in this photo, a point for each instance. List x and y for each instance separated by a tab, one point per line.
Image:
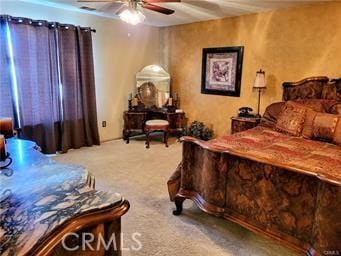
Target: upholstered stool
156	125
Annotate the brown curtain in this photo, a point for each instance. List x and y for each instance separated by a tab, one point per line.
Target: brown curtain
6	107
55	82
79	127
35	62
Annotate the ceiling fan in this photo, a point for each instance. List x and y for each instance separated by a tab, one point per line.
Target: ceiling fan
129	11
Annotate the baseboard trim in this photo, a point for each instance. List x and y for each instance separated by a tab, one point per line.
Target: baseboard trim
111	139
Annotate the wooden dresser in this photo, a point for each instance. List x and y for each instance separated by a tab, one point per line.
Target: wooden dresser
134	122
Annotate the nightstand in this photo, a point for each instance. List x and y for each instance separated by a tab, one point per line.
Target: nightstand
240	124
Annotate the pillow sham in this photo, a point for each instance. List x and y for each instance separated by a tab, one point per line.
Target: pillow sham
324	126
307	131
271	114
291	119
273	111
318	105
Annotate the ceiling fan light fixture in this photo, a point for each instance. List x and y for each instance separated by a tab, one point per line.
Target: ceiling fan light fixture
132	16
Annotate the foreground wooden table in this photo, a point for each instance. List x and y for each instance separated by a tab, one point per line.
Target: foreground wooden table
42	202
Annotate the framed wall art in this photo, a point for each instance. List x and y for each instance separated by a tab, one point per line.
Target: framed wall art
222	71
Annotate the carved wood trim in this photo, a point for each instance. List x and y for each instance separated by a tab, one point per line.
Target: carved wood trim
230	215
308	88
202	204
91	219
323	79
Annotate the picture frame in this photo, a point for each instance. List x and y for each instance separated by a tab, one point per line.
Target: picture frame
222	71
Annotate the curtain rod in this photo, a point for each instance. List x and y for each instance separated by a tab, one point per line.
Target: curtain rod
42	22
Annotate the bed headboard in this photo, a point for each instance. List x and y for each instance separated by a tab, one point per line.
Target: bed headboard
319	87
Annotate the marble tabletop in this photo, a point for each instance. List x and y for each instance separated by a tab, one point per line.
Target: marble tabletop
37	195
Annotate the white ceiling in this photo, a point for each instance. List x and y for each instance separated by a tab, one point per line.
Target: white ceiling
187	11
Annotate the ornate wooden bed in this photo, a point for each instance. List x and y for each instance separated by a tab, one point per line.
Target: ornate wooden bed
287	188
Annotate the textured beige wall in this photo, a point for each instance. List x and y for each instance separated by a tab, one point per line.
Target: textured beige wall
120	51
288	44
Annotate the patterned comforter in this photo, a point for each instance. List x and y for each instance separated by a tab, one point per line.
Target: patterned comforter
265	145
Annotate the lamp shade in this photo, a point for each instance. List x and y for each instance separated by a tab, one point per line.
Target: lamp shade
260	80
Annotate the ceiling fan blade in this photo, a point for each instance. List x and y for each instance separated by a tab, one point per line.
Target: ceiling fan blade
162	1
157	8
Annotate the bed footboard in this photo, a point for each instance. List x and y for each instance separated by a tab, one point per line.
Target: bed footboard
287	206
201	177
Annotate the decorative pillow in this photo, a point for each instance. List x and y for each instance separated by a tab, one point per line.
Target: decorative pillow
324	126
314	104
271	114
318	105
307	131
291	119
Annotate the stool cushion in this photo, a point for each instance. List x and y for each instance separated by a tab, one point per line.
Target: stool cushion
157	122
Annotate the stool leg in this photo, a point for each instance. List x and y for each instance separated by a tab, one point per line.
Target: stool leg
165	137
147	138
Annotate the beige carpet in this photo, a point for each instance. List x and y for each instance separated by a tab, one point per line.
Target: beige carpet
140	175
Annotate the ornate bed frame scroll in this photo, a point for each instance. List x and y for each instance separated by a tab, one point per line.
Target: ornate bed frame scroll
213	179
319	87
105	222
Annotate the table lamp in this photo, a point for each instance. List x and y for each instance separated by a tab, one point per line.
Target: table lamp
259	85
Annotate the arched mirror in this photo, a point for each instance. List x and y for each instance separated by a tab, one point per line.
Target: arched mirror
153	84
